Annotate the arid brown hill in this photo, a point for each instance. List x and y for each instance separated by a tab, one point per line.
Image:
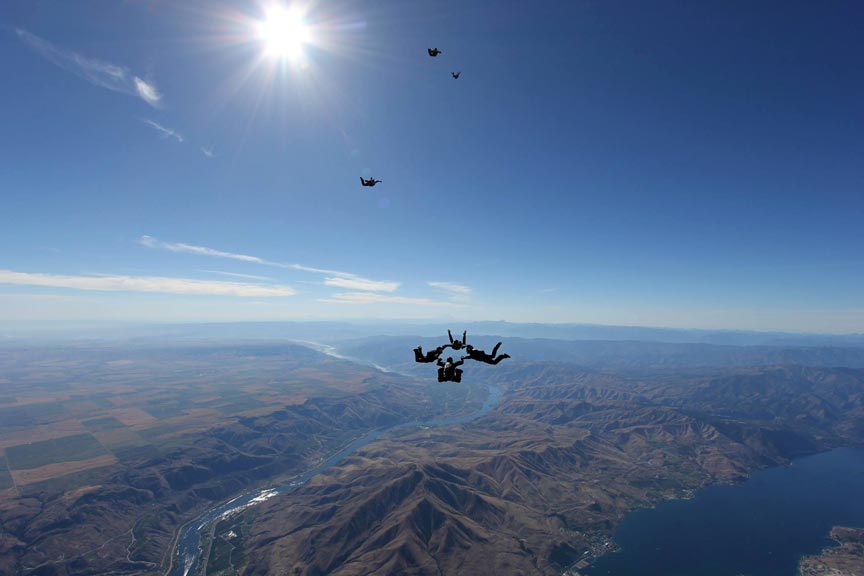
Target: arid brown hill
543	480
110	450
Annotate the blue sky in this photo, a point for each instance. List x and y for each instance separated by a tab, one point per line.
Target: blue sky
667	163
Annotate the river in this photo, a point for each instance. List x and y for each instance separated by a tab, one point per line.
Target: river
187	552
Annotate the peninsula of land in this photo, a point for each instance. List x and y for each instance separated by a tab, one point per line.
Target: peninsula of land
847	559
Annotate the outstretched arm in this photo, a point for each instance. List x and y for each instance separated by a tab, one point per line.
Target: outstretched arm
465	337
450	336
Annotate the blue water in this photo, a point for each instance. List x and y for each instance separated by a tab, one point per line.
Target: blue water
759	528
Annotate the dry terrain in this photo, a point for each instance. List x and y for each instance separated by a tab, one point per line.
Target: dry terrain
541	483
845	559
104	452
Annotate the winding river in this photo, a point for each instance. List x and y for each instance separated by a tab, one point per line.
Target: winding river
187	548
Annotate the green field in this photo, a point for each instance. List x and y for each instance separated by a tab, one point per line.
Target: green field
66	482
29	415
55	451
99	424
5	477
165	410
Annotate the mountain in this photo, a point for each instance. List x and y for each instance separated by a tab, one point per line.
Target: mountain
107	450
395	352
332	331
543	480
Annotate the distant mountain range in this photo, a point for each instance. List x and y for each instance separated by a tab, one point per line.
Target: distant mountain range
395	352
541	483
328	331
155	428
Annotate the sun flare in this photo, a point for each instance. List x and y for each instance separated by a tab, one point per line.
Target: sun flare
285	33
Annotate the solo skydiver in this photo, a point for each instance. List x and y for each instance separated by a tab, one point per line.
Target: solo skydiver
481	356
430	356
457	344
449	371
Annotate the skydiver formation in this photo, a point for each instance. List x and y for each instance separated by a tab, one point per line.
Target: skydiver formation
433	52
449	371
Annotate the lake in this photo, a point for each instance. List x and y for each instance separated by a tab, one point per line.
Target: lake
761	527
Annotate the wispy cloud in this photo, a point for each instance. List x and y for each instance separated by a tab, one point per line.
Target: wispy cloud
238	275
372	298
362	284
97	72
208	152
334	277
451	287
166	132
144	284
147	91
151	242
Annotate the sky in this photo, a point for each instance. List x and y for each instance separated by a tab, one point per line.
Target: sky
665	163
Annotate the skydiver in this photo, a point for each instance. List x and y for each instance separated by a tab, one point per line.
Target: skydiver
369	182
456	344
430	356
449	371
482	356
433	52
456	74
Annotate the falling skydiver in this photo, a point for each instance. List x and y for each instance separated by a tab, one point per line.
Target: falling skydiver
430	356
481	356
449	371
457	344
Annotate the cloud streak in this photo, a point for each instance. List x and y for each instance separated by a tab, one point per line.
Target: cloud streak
166	132
97	72
362	284
334	277
151	242
238	275
157	284
372	298
459	289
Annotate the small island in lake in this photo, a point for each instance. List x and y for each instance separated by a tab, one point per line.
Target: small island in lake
844	560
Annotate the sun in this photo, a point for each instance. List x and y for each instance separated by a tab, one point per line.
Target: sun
285	33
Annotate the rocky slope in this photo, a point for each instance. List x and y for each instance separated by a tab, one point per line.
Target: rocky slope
845	559
543	480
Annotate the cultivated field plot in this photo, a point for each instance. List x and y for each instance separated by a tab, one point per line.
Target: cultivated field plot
51	471
103	423
23	416
5	478
54	451
71	415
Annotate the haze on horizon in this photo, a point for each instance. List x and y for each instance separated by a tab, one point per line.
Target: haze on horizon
671	164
